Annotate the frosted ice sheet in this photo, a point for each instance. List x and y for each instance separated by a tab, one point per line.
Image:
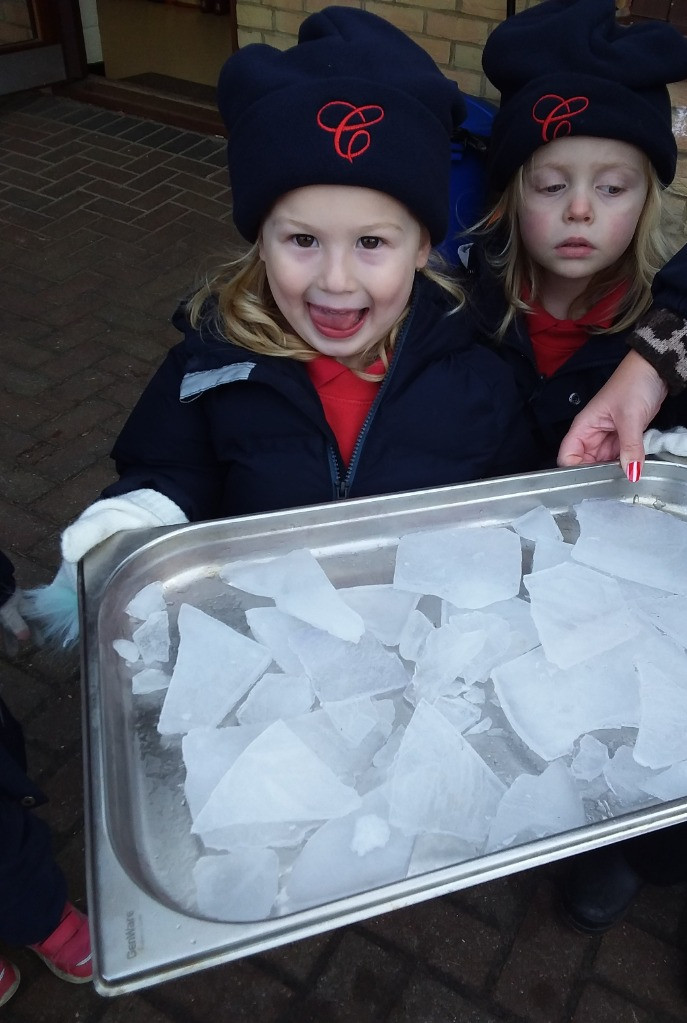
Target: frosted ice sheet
537	525
148	600
347	855
276	696
414	635
355	719
590	759
215	668
383	609
662	736
152	638
669	784
535	806
468	567
149	680
237	886
627	778
425	794
668	614
340	670
276	780
299	586
208	753
127	650
578	612
549	553
634	542
273	629
549	707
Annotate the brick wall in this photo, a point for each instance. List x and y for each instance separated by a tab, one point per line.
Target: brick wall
452	31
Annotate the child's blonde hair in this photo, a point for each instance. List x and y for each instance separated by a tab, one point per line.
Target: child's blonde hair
649	250
247	315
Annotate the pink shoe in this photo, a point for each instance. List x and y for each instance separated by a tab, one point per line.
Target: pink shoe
9	980
67	951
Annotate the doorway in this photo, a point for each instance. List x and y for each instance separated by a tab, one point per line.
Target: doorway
41	43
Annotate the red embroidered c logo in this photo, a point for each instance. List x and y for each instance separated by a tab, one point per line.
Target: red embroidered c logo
347	124
554	114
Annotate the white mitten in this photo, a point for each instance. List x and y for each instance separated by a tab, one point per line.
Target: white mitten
672	442
55	607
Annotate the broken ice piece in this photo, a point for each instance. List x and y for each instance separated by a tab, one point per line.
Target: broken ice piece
150	680
579	612
537	525
276	696
424	793
273	629
237	886
548	553
626	778
634	542
147	601
383	609
340	670
535	806
468	567
669	784
299	586
152	638
215	668
549	707
348	855
127	649
277	779
208	754
662	736
414	635
354	718
590	759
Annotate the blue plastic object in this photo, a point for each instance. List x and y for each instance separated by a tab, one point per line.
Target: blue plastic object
468	176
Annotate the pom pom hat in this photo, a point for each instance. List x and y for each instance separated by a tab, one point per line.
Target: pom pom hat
355	102
567	67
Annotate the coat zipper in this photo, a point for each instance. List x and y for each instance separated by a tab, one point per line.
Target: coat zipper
343	483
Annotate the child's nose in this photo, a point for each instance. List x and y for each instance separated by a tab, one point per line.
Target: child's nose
335	272
579	208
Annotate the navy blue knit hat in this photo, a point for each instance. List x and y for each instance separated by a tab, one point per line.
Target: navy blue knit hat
567	67
355	102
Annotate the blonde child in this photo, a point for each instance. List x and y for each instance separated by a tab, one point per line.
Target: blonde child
331	361
581	151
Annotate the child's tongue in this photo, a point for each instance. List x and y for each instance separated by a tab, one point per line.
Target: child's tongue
334	319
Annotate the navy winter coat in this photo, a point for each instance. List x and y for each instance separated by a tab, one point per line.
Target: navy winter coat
222	431
553	402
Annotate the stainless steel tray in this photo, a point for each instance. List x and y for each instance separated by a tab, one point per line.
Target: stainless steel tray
139	850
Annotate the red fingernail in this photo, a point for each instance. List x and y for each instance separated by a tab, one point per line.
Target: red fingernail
634	471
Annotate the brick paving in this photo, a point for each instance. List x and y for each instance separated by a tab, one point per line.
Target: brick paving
105	220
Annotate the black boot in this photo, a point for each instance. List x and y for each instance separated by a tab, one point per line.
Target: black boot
598	889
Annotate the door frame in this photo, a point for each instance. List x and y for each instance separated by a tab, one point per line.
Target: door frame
56	53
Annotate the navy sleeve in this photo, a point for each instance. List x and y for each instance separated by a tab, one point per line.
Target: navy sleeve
670	284
7	584
166	445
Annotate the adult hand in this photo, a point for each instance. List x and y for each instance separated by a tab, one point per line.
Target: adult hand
611	425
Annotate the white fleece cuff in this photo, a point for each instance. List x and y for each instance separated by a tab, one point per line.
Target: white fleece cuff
137	510
673	442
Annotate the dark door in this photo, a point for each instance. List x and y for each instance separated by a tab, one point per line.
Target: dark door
41	42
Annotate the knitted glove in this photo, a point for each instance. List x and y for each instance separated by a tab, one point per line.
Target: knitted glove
672	442
55	607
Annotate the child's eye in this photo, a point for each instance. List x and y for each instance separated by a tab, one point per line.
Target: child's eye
370	241
612	189
552	189
304	241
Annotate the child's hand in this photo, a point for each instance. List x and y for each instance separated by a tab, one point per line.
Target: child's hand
55	607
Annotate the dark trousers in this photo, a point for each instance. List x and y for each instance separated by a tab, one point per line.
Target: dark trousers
661	856
33	890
